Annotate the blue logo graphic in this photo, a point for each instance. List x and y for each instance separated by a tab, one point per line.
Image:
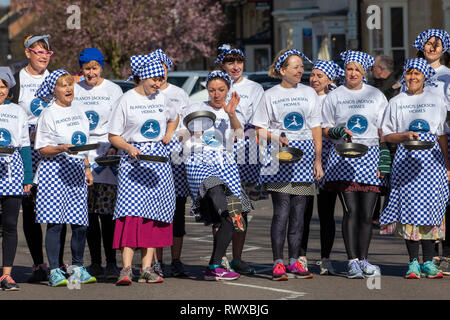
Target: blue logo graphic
419	125
79	138
357	124
37	105
210	139
93	119
293	121
5	137
151	129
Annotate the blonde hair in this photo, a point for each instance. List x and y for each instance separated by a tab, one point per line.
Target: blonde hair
42	43
65	77
272	71
359	67
91	64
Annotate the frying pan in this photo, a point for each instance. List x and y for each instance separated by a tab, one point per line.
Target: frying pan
199	120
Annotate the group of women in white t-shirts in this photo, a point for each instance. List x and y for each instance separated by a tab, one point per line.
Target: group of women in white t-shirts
141	204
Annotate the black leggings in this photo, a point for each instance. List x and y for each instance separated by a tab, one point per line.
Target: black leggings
95	234
10	213
179	229
357	222
287	208
33	231
326	202
427	249
215	201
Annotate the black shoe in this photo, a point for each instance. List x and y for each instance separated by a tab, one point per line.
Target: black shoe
177	268
39	274
242	267
8	284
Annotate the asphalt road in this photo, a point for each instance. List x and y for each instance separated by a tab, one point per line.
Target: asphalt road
386	251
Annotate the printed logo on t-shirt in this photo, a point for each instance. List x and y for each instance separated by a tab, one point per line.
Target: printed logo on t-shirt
293	121
357	124
5	137
93	119
79	138
419	125
37	105
210	138
150	129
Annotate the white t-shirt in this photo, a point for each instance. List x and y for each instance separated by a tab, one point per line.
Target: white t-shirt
360	111
178	98
294	111
13	126
29	84
62	125
98	102
422	112
138	118
250	94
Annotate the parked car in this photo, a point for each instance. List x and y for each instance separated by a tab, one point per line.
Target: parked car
189	81
124	85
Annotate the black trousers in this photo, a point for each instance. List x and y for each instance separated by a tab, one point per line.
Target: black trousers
10	213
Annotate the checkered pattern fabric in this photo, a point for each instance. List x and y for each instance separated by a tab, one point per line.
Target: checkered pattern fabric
47	87
212	163
247	159
11	175
62	191
146	188
146	66
286	55
35	157
163	57
421	65
226	50
178	168
365	60
422	38
330	68
419	190
301	171
360	170
327	144
220	74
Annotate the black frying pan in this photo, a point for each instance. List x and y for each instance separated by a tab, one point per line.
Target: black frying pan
6	150
351	150
287	154
85	147
199	120
418	145
107	161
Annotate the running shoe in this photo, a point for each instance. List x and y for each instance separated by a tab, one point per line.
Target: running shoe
177	268
84	275
220	274
57	278
326	267
111	271
368	269
96	270
413	270
430	271
354	270
125	277
304	262
242	267
444	267
299	271
39	274
279	272
148	275
158	269
8	284
225	264
235	213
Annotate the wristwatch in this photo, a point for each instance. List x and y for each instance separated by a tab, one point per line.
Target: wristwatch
88	166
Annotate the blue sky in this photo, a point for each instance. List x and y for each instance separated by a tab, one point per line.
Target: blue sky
4	2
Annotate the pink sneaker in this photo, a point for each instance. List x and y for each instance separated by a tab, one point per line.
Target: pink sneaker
279	272
220	274
299	271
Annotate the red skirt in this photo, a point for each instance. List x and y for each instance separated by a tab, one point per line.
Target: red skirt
138	232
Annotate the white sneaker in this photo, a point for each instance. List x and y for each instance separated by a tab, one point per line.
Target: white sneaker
326	267
304	262
369	269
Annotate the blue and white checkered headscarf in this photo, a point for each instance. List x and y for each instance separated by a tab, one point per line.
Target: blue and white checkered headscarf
365	60
34	39
423	66
330	68
163	57
47	88
422	38
221	74
226	50
146	66
286	55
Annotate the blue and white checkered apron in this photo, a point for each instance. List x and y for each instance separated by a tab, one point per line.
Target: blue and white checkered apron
327	144
301	171
247	159
419	190
178	169
11	175
212	163
62	191
145	189
35	155
360	170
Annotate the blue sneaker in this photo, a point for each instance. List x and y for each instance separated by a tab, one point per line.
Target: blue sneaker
413	270
57	278
430	271
369	270
81	274
354	270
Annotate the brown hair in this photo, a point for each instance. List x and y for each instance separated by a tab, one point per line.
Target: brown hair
233	56
272	71
91	64
42	43
219	78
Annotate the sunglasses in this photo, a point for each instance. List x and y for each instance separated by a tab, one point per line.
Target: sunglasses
41	52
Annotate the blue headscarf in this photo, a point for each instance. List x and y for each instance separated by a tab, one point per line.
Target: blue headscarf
91	54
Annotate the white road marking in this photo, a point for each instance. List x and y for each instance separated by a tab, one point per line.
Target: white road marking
292	294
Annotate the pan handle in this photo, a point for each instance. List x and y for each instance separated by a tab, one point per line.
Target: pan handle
283	135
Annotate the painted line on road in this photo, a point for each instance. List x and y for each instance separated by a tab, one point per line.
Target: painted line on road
292	294
198	223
